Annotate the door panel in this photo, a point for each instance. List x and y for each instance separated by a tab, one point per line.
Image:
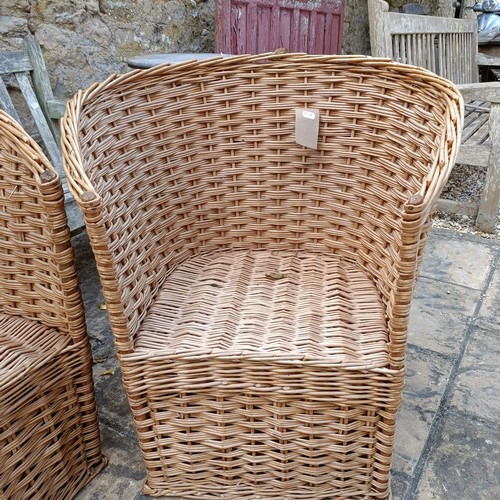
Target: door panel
256	26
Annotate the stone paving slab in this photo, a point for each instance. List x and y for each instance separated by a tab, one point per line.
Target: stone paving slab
447	440
440	315
412	430
489	314
477	386
427	375
465	462
457	259
123	477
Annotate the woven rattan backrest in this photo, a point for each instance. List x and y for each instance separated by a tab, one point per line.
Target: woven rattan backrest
37	275
202	156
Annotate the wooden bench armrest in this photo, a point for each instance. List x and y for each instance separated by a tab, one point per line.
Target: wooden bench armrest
489	91
486	60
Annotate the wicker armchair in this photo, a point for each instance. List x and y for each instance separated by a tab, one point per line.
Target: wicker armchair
49	436
259	290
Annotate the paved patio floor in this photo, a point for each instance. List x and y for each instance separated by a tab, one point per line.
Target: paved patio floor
448	438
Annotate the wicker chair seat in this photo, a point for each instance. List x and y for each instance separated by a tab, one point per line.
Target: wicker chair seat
32	351
251	361
258	304
25	344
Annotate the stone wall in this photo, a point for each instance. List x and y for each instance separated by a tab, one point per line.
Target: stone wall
436	7
84	41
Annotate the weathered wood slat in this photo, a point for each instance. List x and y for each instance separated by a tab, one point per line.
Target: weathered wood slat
477	156
487	60
473	110
488	91
380	41
56	108
405	23
476	108
12	62
6	101
490	198
29	69
482	135
471	128
41	123
41	83
458	207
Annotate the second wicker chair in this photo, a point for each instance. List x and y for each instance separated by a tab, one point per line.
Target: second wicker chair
50	446
259	290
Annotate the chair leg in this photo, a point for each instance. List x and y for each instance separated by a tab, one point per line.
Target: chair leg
490	198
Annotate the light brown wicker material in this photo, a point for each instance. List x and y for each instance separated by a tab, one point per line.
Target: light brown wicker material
259	291
49	436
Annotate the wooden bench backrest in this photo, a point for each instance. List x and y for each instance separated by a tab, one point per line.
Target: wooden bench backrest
28	69
446	46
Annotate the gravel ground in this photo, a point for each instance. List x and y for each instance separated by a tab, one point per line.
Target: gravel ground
465	184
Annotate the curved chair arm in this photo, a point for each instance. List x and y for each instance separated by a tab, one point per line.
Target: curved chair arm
91	204
416	222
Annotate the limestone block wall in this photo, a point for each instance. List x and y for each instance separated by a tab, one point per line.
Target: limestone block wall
84	41
436	7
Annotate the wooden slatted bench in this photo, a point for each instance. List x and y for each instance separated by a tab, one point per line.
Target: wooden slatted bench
27	71
448	47
481	148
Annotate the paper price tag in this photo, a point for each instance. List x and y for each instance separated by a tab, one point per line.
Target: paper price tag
307	127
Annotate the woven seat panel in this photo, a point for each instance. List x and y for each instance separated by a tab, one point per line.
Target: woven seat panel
237	428
43	434
238	354
219	417
263	304
23	344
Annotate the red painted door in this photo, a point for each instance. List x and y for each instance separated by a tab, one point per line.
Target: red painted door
255	26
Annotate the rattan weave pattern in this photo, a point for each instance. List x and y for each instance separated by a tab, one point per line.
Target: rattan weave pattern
49	437
269	306
187	176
